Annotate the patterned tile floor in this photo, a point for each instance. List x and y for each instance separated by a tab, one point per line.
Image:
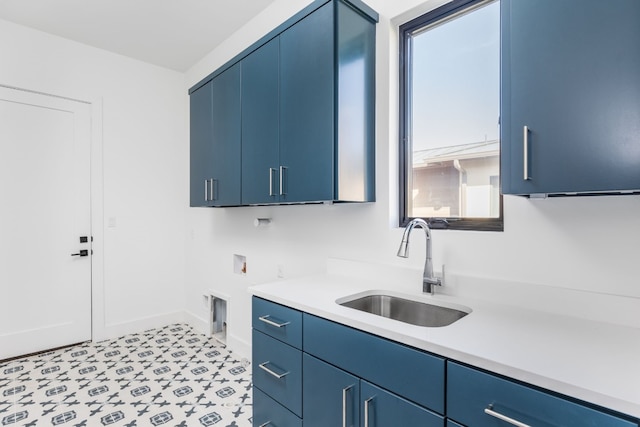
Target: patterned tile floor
170	376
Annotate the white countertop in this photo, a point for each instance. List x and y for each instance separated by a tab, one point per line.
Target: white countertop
589	360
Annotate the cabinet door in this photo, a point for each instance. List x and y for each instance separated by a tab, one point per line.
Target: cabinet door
201	130
225	161
330	395
260	127
570	74
383	409
307	108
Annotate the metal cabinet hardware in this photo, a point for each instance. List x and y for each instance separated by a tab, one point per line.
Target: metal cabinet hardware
271	372
282	170
271	172
83	252
266	320
367	403
490	411
209	192
345	393
525	157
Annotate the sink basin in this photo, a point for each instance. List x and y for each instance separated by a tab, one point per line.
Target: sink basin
405	310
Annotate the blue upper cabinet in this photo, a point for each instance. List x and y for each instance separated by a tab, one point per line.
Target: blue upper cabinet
260	125
327	103
201	144
215	141
570	96
305	113
225	92
307	108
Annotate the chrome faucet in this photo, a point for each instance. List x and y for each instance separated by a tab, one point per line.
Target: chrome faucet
428	279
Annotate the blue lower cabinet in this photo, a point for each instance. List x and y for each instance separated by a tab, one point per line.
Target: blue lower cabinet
330	395
383	409
277	371
282	323
413	374
268	412
480	399
345	377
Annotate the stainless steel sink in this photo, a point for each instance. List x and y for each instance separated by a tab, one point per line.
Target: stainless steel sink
407	311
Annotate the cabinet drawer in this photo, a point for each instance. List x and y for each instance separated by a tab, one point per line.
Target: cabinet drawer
405	371
268	411
277	371
278	321
381	408
470	392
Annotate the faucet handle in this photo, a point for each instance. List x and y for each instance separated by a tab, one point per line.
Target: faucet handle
429	283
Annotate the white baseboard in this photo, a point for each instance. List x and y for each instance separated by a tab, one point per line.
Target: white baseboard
234	344
239	347
198	323
116	330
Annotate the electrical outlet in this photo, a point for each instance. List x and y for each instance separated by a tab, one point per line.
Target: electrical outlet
280	271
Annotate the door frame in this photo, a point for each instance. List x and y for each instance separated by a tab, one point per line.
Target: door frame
98	326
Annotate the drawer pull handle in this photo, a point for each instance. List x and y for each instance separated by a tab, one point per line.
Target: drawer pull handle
265	424
367	403
490	411
263	366
345	392
266	320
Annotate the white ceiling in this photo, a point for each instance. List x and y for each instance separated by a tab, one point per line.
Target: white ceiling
171	33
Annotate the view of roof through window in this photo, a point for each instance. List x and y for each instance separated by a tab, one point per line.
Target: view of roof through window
454	116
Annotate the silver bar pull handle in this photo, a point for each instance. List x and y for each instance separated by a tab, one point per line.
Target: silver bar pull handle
206	190
367	403
266	320
345	393
525	139
263	366
282	169
490	411
211	190
271	171
265	424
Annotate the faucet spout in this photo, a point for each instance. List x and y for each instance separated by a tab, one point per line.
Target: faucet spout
428	278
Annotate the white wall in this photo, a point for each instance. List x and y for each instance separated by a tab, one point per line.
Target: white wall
145	169
585	243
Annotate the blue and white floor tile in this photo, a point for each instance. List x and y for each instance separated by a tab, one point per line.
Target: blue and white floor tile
170	376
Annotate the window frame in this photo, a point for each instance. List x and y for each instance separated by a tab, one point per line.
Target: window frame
405	30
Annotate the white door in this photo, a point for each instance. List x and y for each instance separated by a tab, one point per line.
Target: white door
45	292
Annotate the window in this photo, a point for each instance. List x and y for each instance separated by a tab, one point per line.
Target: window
449	117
